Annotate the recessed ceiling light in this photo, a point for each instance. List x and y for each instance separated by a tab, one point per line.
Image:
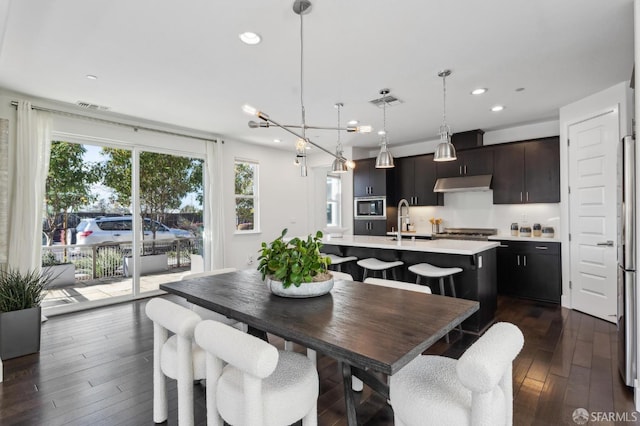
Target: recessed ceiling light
92	77
479	91
276	140
250	38
520	89
497	108
381	132
353	122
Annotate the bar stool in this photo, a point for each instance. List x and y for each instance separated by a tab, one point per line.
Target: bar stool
429	271
339	260
374	264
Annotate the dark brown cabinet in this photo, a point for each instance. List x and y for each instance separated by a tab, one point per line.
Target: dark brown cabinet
469	163
530	269
367	180
370	227
527	172
415	177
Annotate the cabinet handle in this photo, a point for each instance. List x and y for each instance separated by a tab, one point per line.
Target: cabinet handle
527	196
415	200
520	196
542	248
518	260
525	260
465	169
460	172
607	243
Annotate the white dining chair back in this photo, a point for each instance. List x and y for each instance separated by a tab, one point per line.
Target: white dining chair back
474	390
176	357
260	385
398	284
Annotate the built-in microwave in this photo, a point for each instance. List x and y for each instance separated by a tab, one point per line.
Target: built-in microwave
370	208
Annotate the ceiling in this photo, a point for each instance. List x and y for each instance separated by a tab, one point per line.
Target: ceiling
181	62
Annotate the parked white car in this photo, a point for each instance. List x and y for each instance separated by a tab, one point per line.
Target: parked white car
119	229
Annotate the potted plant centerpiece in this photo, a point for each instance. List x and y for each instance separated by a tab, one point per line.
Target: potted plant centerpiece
20	311
295	268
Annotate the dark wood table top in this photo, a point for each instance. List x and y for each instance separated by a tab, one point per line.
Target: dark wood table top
367	326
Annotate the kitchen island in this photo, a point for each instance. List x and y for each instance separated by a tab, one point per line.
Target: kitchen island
477	281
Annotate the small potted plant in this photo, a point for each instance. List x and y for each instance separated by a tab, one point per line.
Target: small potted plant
20	311
295	268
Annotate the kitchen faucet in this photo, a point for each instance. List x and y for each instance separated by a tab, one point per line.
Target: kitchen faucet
402	202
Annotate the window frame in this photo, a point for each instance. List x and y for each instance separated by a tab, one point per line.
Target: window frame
255	197
337	200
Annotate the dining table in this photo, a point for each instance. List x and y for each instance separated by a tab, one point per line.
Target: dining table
368	329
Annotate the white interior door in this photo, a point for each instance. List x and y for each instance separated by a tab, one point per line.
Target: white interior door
592	213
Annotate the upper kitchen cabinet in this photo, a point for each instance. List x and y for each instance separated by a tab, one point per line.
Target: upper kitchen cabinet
367	180
527	172
415	177
470	162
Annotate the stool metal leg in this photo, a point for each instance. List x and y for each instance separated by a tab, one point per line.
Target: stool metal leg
453	287
417	279
441	281
364	274
339	267
384	274
393	273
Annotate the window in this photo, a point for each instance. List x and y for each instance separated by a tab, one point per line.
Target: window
247	204
334	195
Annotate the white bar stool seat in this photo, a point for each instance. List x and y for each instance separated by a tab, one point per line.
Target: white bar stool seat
339	260
373	264
430	271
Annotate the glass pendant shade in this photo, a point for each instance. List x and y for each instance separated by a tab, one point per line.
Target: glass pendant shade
384	160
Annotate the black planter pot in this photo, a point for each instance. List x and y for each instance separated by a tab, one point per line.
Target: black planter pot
20	333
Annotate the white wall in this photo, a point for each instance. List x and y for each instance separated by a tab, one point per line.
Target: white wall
285	200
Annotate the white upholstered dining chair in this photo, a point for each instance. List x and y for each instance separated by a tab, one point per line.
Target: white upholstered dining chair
260	385
474	390
176	357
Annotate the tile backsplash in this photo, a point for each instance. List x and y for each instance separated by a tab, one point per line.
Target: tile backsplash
476	210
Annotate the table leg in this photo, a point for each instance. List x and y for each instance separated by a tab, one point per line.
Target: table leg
349	401
257	333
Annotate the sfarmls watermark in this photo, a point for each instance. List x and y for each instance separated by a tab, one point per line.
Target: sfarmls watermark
581	416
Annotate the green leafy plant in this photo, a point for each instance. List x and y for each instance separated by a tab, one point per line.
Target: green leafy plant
22	290
49	259
294	261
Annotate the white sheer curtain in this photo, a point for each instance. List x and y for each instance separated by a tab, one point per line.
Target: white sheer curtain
29	165
214	208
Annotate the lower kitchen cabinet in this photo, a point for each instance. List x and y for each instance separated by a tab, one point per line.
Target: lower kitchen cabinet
530	269
369	227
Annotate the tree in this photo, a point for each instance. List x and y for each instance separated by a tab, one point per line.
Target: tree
68	184
164	180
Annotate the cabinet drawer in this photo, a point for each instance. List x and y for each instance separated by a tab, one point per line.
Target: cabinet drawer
531	247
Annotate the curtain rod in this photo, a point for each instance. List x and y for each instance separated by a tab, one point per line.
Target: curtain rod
117	123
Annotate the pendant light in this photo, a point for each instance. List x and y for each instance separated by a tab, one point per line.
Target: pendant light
384	160
339	165
445	151
300	7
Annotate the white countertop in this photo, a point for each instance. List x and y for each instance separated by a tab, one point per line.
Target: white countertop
462	247
534	239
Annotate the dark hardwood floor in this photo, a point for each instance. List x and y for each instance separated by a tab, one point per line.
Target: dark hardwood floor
94	368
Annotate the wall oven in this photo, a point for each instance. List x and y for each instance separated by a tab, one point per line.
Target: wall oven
370	207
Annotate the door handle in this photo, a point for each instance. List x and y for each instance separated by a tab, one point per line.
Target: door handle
607	243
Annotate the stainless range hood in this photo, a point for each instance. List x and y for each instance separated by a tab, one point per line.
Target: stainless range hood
463	183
